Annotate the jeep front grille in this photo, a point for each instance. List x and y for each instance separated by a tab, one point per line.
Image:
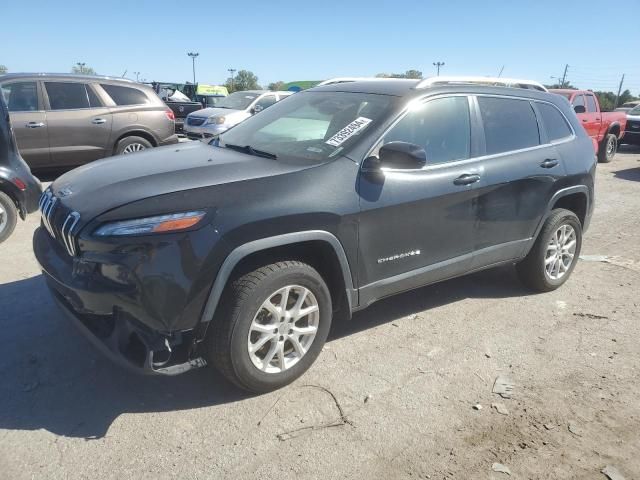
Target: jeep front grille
49	205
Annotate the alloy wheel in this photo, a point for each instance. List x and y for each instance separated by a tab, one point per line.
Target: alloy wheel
610	146
283	329
3	218
133	147
560	252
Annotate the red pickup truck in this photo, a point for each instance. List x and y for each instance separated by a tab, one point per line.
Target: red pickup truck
606	128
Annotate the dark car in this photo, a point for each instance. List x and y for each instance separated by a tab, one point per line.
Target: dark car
19	190
239	253
632	133
63	120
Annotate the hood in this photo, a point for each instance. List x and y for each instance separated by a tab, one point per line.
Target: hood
213	111
106	184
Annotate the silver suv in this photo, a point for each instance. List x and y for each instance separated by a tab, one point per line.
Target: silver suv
229	111
65	120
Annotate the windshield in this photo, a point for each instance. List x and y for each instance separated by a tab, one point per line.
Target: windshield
237	100
634	111
311	126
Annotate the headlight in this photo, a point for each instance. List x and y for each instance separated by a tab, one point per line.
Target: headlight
142	226
216	120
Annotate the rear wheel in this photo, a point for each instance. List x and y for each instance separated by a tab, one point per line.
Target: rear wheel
554	254
8	216
608	148
271	326
132	145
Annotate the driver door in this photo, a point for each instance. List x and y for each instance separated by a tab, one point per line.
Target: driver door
417	226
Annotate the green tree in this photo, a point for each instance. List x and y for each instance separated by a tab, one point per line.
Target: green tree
415	74
277	86
243	80
82	69
3	69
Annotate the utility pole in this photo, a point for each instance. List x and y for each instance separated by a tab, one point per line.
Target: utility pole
137	75
232	71
501	70
564	75
615	105
81	66
438	65
193	60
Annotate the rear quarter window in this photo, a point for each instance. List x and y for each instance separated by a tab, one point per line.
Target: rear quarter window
125	95
509	124
554	122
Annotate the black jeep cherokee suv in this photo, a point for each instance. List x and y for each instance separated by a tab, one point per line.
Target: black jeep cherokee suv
239	253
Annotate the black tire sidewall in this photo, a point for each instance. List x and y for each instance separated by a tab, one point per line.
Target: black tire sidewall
12	216
603	156
122	144
245	370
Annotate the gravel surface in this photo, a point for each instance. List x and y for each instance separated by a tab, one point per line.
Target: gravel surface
407	374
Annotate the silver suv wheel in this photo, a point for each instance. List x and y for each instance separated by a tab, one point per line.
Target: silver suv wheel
283	329
560	252
3	218
133	147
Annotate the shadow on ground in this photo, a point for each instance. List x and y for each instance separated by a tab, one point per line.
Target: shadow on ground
632	174
53	379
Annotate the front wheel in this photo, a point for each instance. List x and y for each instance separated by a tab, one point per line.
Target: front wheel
608	148
271	326
554	254
8	216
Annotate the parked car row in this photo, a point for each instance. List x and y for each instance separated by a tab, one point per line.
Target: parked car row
69	120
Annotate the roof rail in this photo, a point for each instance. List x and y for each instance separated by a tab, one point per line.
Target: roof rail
493	81
331	81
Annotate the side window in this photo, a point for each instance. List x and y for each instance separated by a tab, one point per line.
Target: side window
509	124
125	95
554	122
441	127
591	104
578	100
21	97
66	96
265	102
94	101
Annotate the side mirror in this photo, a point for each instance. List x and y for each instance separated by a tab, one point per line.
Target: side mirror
579	109
256	109
402	155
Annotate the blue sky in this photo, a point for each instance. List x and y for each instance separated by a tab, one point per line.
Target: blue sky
319	39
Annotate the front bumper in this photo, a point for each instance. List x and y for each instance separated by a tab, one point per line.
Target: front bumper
631	137
204	131
115	317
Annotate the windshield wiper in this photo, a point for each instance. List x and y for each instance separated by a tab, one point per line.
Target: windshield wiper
252	151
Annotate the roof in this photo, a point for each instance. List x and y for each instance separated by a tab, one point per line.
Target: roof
383	86
495	81
64	76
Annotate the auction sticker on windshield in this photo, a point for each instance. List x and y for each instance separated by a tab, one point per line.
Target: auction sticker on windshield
349	131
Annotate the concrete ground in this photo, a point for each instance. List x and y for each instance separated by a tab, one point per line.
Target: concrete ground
391	396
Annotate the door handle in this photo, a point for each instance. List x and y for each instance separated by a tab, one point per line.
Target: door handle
466	179
34	125
549	163
584	120
99	121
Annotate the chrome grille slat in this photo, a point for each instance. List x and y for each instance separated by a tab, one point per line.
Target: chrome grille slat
47	205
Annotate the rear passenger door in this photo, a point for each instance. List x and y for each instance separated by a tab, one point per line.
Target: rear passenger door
29	121
79	124
520	168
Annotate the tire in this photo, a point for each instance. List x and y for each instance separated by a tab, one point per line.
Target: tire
533	271
242	309
8	216
608	148
132	144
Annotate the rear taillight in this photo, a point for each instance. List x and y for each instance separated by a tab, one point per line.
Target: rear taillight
170	115
19	183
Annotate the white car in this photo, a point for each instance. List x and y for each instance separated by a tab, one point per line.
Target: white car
229	111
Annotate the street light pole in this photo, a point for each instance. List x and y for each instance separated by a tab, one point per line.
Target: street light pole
193	56
137	75
81	66
438	65
232	71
